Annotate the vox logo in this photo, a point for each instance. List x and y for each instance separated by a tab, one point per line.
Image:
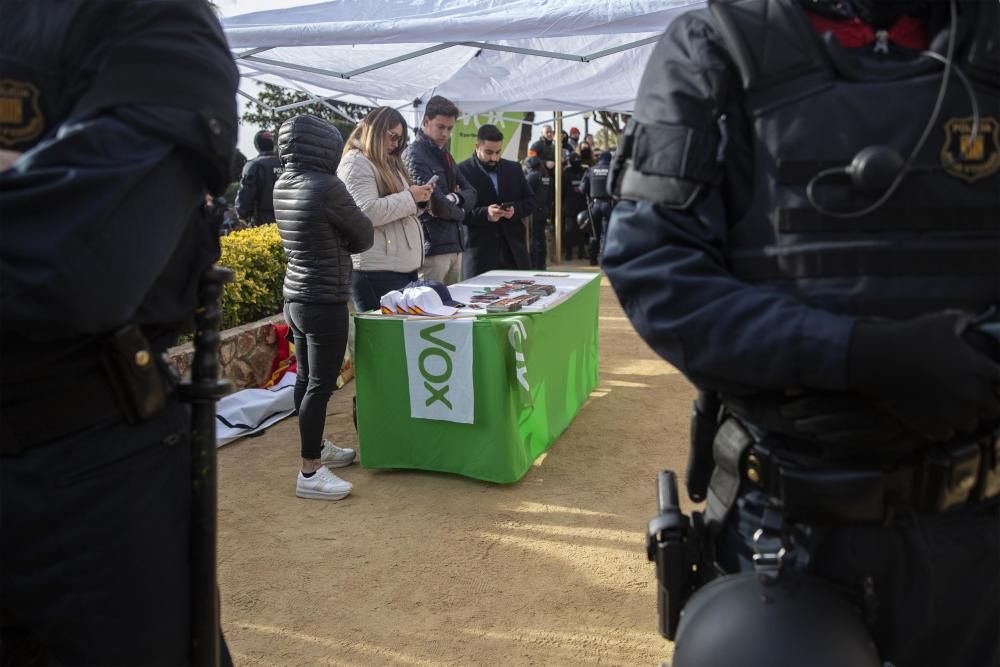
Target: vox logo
439	369
436	366
518	337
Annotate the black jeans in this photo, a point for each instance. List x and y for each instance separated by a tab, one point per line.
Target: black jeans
94	568
368	287
320	332
600	215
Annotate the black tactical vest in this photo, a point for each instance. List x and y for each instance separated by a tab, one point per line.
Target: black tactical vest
268	168
935	243
599	181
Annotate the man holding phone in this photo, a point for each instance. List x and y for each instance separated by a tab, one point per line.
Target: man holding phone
496	232
428	161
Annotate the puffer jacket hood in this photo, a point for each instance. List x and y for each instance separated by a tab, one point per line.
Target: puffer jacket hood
319	222
309	143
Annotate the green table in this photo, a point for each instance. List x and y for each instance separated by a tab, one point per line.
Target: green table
513	421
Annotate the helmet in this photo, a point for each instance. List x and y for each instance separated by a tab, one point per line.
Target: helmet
533	162
799	620
582	219
263	141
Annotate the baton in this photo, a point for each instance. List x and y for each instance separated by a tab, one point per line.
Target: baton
203	390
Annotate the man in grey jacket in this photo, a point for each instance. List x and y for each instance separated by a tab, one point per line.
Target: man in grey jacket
452	198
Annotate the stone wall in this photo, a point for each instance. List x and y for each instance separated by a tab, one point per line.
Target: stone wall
245	353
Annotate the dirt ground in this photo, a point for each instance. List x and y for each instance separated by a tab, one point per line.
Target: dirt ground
418	568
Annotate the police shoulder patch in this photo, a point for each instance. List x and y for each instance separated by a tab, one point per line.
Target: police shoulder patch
971	155
21	118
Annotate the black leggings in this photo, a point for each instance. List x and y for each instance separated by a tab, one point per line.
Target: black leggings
320	332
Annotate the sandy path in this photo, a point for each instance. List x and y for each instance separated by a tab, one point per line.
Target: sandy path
422	568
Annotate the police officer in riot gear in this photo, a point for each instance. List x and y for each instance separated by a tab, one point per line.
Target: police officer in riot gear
810	230
117	117
540	181
255	197
574	201
595	186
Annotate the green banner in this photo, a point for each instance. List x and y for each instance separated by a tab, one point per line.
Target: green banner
531	375
463	137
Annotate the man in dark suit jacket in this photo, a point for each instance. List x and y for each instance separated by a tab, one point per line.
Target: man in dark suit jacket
496	234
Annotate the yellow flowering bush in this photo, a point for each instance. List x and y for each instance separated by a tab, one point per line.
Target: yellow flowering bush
256	257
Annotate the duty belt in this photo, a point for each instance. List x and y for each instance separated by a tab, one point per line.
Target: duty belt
939	479
70	408
130	383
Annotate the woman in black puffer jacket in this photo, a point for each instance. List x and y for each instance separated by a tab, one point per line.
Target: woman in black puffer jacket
320	227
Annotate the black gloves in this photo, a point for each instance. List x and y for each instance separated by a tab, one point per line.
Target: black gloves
844	419
925	374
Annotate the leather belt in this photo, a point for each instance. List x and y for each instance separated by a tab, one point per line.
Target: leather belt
941	478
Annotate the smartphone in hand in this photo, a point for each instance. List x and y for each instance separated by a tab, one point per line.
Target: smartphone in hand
507	205
433	180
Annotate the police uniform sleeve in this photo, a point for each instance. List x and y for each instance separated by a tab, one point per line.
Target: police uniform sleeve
525	204
665	251
247	193
93	215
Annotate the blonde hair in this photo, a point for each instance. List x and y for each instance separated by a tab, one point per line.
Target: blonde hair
370	136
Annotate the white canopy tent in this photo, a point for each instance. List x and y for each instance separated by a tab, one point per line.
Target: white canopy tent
485	55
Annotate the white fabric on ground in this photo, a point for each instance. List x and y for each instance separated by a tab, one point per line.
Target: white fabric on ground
250	411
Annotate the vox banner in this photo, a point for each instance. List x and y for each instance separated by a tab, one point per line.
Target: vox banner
463	137
439	369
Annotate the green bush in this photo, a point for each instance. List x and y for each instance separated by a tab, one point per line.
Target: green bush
256	257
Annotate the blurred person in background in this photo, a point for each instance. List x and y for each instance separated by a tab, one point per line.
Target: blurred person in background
595	188
573	201
254	205
574	137
545	148
540	182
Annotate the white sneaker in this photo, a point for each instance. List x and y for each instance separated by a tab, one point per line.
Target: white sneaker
333	456
324	485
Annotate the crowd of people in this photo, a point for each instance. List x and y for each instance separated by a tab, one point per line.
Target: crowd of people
365	217
376	213
852	479
453	234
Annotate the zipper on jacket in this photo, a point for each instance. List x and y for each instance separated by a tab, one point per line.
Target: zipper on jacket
881	41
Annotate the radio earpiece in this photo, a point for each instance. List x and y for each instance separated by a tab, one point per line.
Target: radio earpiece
881	168
874	168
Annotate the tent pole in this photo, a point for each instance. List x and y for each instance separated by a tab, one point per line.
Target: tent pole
559	186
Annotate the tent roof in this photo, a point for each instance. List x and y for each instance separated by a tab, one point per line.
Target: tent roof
486	55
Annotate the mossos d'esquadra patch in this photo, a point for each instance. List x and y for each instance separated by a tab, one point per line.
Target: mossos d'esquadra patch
21	118
981	149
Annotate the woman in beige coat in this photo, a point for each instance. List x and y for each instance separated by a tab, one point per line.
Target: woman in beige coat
374	174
